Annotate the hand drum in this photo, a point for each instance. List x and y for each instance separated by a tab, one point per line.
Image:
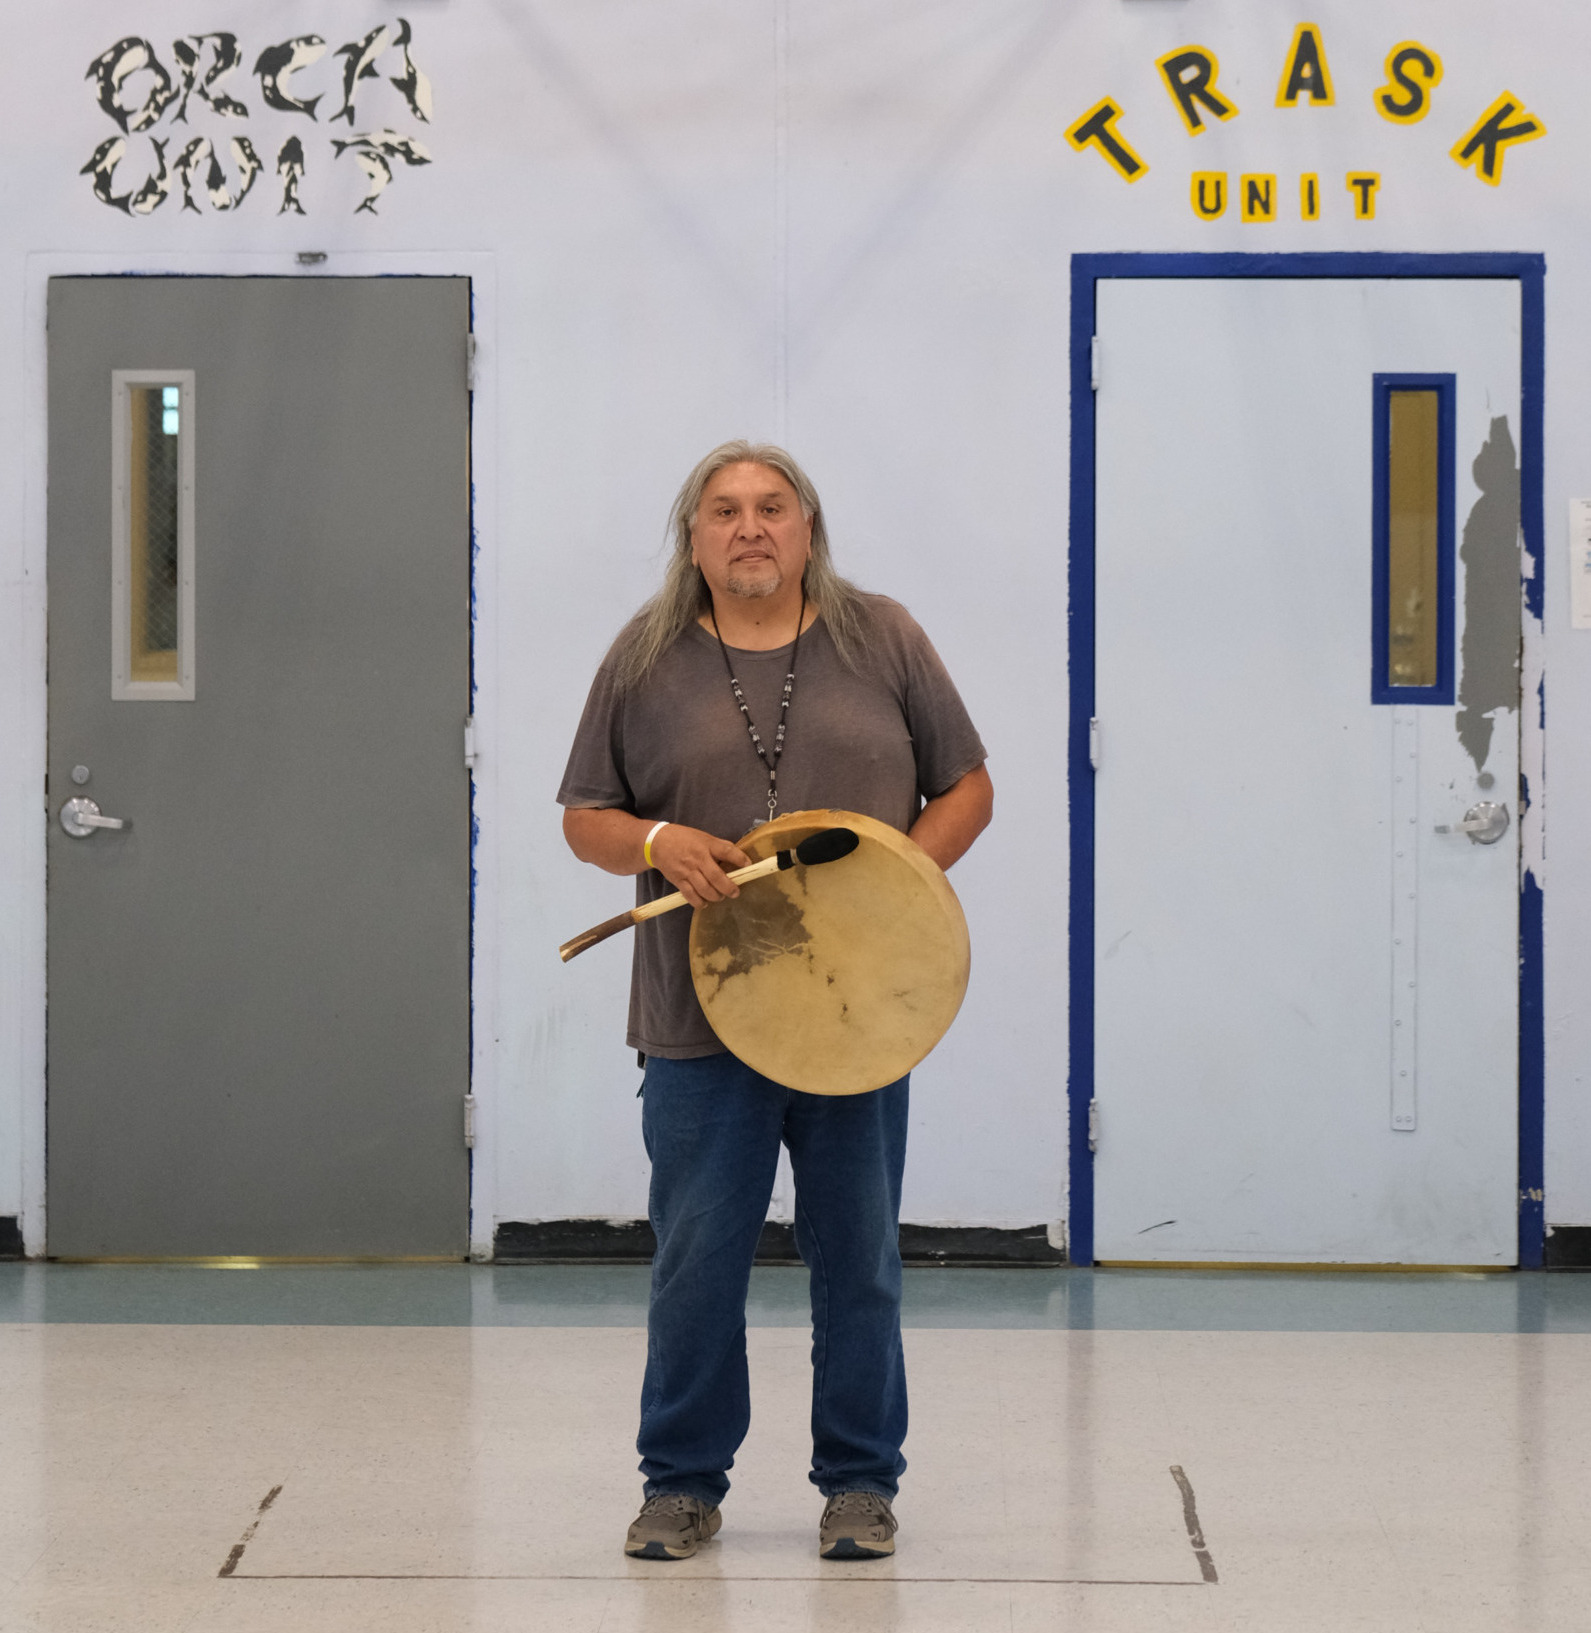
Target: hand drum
835	979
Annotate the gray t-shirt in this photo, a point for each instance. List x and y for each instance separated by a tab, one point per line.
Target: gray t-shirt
879	739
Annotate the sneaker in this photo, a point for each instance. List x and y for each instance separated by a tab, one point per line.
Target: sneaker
671	1526
857	1525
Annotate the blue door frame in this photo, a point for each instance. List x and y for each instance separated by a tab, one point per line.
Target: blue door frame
1529	271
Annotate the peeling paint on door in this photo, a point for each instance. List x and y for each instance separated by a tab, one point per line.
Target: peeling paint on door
1489	677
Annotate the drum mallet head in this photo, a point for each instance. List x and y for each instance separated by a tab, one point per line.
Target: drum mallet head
828	846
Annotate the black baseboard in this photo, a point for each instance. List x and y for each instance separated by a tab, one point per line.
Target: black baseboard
573	1241
1569	1247
630	1241
977	1245
10	1236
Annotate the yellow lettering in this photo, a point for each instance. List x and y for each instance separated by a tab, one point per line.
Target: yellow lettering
1413	71
1306	73
1364	184
1259	197
1190	78
1097	129
1484	145
1209	194
1309	197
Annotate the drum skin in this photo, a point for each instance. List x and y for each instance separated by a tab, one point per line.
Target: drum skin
835	979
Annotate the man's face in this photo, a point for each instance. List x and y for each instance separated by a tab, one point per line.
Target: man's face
749	537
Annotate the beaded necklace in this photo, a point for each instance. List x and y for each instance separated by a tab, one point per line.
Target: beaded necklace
784	708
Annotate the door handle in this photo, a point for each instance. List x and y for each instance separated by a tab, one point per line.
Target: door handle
80	817
1485	823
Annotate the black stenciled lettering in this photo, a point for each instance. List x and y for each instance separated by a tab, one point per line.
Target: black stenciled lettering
226	59
201	152
360	58
135	89
290	167
111	70
142	200
373	153
278	63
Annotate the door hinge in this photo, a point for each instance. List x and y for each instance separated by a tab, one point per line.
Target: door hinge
469	1122
469	361
1093	743
1093	1125
471	755
1093	363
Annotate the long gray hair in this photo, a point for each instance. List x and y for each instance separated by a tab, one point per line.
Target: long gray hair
684	596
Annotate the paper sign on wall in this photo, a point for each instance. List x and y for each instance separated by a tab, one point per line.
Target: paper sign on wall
1580	563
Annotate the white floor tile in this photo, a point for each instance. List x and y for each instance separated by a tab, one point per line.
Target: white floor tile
1390	1483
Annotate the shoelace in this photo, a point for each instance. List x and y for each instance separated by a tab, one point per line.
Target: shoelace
669	1502
857	1502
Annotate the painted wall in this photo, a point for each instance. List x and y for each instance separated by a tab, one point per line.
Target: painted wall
843	224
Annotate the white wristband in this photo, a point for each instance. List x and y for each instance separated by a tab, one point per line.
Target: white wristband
646	844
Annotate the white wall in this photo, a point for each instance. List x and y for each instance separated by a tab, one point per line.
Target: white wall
845	224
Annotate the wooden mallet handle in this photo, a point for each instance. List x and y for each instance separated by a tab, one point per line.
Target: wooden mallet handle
827	846
651	910
598	932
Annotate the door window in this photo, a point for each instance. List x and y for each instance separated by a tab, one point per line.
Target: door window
152	535
1412	639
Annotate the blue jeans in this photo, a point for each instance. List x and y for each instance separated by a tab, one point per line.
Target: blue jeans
713	1128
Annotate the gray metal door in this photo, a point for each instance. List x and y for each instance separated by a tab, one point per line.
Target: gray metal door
259	661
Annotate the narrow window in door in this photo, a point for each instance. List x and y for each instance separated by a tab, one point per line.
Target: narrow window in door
152	535
156	431
1412	599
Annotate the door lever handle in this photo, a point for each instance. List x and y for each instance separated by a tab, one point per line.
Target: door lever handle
1485	823
80	817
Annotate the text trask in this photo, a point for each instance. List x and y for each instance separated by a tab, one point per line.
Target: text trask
140	93
1412	72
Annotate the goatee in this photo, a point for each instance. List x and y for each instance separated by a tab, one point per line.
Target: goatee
754	589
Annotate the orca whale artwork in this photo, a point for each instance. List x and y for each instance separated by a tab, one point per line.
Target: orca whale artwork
137	91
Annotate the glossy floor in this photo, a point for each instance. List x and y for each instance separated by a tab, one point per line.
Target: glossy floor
453	1449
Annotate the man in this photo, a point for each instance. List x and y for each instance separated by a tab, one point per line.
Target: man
757	681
